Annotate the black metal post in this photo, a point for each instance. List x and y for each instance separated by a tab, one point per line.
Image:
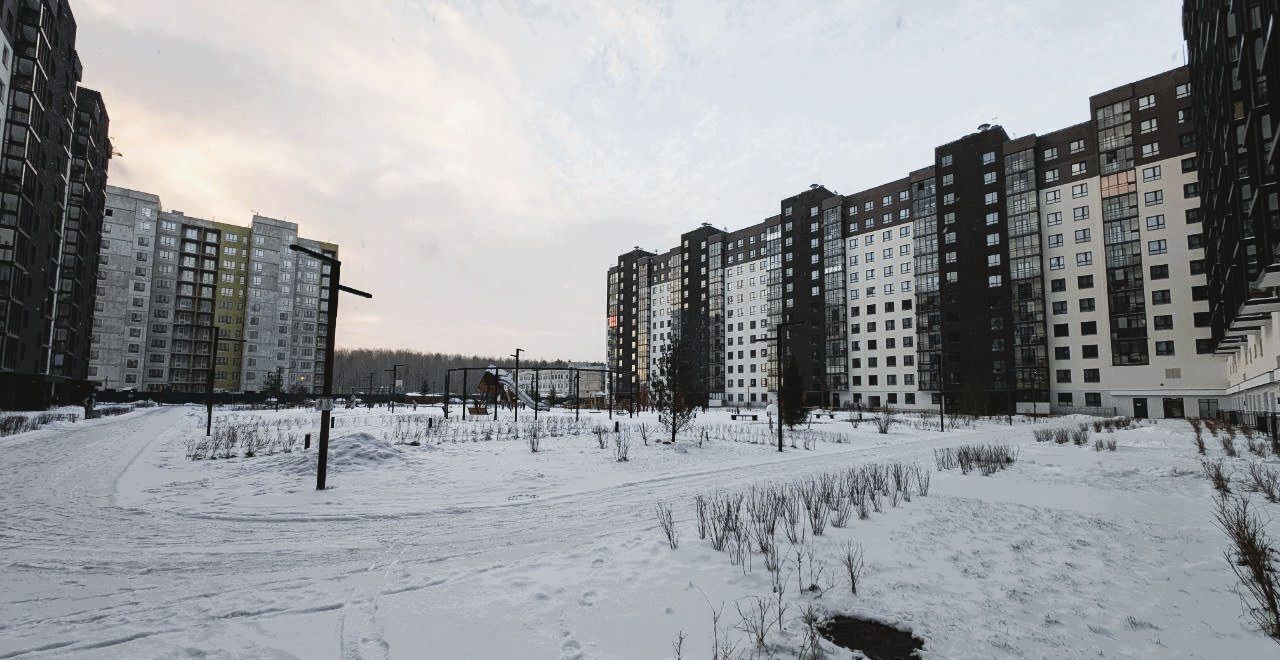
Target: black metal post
611	385
331	333
446	393
464	393
577	394
537	392
368	393
208	386
495	392
515	383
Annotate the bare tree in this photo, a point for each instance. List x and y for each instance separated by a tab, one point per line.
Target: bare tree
675	389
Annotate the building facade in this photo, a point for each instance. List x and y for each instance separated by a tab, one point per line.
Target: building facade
1063	271
1232	54
170	284
52	178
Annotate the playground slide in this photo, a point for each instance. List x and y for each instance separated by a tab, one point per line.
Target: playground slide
504	377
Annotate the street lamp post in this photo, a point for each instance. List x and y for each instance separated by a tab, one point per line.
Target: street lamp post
778	349
395	370
208	384
331	334
515	383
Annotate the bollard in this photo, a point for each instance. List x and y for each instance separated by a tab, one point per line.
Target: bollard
306	442
430	420
333	422
617	426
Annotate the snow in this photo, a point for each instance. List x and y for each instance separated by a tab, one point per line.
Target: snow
116	545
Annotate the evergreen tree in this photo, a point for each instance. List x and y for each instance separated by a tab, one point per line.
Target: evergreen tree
675	390
272	384
791	408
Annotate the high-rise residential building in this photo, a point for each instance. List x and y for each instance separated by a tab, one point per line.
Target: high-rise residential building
52	174
1063	271
1232	56
170	283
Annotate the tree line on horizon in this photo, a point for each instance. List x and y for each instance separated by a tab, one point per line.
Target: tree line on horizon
423	372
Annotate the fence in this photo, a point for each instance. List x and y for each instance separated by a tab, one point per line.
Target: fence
1267	422
1097	411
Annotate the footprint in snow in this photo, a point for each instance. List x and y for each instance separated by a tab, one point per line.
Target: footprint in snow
588	599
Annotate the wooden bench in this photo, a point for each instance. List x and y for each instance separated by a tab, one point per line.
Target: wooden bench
751	416
478	410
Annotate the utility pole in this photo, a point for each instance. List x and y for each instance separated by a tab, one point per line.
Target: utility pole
515	382
495	392
331	334
395	370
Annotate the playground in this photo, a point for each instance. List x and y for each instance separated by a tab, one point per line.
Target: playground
498	387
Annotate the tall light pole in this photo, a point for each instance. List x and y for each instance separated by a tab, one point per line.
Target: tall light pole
208	383
395	370
331	334
515	383
778	335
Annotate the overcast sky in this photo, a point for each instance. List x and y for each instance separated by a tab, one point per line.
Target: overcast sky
482	164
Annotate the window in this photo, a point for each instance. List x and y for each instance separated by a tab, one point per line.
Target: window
1087	305
1089	328
1195	241
1153	198
990	198
1160	246
946	160
1147	102
1079	190
1062	353
1191	189
1050	153
1151	173
1054	218
1080	213
1189	164
1063	376
1061	330
1084	258
1084	282
1058	285
988	178
989	158
1077	168
1164	348
1089	351
1163	322
1155	222
1053	197
1082	236
1161	297
1160	272
1147	125
1050	175
993	239
1059	307
1056	263
1055	240
1150	149
1183	91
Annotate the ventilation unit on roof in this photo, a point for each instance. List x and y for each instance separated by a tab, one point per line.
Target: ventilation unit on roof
983	127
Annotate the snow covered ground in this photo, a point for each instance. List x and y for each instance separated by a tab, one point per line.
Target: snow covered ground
114	544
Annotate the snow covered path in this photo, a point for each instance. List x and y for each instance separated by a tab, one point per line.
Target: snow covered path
107	550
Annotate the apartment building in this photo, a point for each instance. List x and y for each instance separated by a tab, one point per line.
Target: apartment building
562	383
1063	271
1232	54
170	284
53	173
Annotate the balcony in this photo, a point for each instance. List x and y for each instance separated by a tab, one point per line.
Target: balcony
1269	278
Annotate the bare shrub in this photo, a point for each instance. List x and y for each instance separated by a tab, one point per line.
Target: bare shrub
853	564
644	437
600	432
1111	444
884	419
1229	444
756	620
988	459
703	510
678	645
1264	480
811	645
667	522
1254	560
535	442
1098	445
1080	435
1214	472
1043	435
922	480
621	448
1062	436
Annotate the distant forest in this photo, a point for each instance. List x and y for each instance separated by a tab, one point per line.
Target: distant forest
424	372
